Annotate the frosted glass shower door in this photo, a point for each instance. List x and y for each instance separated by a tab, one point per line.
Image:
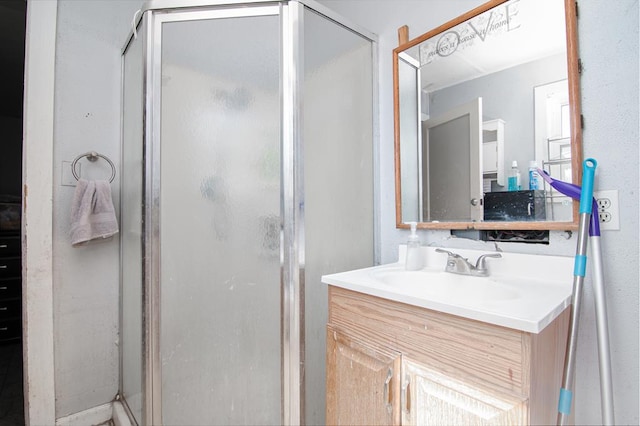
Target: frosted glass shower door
131	334
338	177
219	210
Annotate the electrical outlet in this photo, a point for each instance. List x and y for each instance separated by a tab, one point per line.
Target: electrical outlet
608	209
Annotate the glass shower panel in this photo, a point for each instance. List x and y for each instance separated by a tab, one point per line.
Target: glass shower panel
410	137
338	177
220	221
131	229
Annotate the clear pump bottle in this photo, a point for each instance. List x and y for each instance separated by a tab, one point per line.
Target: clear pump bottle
414	260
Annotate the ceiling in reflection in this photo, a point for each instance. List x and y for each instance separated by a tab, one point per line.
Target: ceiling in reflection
514	33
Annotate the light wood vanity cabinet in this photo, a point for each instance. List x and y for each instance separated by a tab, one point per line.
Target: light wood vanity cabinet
363	384
393	363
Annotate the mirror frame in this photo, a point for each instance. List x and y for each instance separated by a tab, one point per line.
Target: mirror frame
573	75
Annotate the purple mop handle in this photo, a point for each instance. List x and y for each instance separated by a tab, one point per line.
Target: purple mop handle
574	191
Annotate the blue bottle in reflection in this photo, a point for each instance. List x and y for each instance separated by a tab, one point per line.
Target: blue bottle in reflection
513	181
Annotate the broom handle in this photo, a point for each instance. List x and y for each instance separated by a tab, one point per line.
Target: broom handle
604	356
580	263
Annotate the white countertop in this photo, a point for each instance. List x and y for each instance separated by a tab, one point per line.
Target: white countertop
523	292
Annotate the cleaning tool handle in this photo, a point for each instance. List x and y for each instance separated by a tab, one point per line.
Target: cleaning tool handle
574	191
568	189
594	225
588	175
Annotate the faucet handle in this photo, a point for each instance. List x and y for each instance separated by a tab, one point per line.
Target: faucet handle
449	253
480	263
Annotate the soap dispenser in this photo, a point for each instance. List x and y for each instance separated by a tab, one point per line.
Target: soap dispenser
414	260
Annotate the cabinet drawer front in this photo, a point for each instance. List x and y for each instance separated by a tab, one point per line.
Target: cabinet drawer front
10	288
10	267
10	246
11	308
481	354
10	330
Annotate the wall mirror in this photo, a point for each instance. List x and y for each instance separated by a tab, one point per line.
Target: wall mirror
496	85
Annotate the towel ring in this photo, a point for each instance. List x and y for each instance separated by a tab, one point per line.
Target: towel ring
93	156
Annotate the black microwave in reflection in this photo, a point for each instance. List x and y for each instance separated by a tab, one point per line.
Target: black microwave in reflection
514	206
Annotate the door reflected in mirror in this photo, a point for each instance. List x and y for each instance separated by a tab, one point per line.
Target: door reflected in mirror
494	86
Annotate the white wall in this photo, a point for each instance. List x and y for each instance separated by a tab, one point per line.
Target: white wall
608	38
90	36
608	33
87	110
37	220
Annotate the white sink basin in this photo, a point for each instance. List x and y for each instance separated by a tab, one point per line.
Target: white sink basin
445	286
525	292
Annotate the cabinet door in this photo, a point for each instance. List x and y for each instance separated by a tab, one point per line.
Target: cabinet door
430	398
493	149
490	157
363	384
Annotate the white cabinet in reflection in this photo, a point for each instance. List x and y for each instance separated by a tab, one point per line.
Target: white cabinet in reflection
493	151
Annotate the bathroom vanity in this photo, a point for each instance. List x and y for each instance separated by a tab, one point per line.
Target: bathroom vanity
407	354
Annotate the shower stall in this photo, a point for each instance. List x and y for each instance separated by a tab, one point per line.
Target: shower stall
247	174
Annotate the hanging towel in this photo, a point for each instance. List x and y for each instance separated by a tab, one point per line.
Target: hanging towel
92	212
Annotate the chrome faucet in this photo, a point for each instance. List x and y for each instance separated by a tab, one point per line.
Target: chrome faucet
457	264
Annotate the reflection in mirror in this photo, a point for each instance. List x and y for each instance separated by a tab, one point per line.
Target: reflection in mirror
453	137
492	88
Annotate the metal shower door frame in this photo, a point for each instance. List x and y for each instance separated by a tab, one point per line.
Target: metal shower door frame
152	369
155	13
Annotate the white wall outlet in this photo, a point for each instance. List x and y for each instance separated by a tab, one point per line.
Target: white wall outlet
608	209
